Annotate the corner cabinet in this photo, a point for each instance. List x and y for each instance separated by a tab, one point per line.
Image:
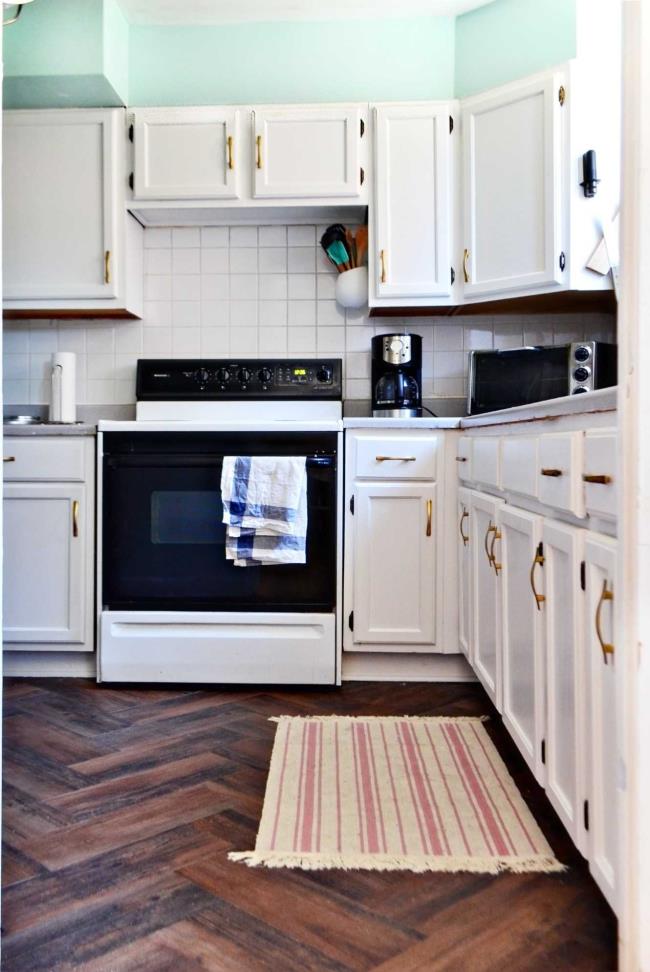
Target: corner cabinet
411	238
49	536
69	245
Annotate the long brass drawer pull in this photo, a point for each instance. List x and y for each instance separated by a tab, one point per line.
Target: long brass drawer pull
382	258
465	270
495	536
491	528
107	267
429	516
598	480
551	472
465	537
396	458
231	160
539	559
606	648
258	147
9	459
75	518
461	458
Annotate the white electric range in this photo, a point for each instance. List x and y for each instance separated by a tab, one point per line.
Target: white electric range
171	608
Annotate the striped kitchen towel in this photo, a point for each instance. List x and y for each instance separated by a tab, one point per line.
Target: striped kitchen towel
265	509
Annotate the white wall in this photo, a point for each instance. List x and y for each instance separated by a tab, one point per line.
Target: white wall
248	290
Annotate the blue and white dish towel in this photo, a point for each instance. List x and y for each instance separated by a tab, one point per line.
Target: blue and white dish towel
264	509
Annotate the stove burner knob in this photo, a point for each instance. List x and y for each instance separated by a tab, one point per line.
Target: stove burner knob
223	375
324	374
243	375
202	375
265	375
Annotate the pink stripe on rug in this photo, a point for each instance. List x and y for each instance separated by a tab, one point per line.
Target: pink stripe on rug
443	777
398	816
281	786
371	747
477	792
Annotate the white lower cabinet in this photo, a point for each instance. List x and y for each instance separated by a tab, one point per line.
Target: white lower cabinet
464	573
565	737
520	553
603	752
486	586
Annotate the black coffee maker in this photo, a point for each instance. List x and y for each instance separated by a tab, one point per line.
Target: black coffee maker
397	375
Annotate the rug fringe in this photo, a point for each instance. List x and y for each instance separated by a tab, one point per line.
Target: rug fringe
381	862
352	718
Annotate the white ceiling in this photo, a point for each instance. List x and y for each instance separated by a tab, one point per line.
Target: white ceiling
200	12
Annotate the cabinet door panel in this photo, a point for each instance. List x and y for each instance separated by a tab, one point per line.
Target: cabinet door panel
604	818
522	634
486	607
58	204
394	564
465	634
565	786
44	556
600	462
303	152
512	150
185	153
413	200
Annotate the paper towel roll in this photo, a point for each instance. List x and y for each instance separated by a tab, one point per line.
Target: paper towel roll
63	407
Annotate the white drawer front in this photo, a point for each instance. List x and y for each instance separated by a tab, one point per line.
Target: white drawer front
559	472
399	456
47	458
599	473
464	457
519	464
486	460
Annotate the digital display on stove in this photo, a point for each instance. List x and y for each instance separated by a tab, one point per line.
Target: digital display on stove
299	371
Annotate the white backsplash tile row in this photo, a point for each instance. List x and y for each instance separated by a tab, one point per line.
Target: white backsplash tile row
220	291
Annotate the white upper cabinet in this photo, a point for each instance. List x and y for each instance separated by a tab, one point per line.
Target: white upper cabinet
411	252
301	152
186	153
513	160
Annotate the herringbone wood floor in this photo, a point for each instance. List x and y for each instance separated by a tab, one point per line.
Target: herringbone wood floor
120	806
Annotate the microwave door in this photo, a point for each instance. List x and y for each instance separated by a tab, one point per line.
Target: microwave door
521	376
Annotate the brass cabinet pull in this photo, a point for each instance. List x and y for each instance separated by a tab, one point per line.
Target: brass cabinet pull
382	258
604	647
429	515
107	267
231	160
395	458
258	145
465	537
599	480
75	518
539	559
495	536
491	528
465	270
461	458
551	472
9	459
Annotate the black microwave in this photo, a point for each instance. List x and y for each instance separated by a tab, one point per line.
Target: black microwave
521	376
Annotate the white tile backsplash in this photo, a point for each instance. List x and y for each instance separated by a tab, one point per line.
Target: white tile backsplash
219	291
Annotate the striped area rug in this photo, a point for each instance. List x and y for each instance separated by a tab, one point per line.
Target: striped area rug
406	793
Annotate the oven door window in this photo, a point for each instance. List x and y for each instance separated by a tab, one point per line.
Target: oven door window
164	541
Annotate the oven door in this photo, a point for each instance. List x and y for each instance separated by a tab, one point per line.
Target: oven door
163	540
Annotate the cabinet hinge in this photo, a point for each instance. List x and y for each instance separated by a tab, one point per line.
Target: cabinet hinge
362	127
130	133
453	276
561	94
451	124
352	504
585	814
562	260
544	752
362	175
583	576
351	621
131	181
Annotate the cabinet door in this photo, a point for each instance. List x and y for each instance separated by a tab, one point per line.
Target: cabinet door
464	573
518	549
45	596
565	738
59	200
486	607
413	200
602	669
307	152
186	153
512	184
394	564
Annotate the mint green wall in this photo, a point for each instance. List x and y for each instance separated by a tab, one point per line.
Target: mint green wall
509	39
115	37
350	60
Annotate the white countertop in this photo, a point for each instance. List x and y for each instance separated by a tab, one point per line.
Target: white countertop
426	422
38	429
602	400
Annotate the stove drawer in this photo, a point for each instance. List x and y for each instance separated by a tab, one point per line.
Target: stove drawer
400	456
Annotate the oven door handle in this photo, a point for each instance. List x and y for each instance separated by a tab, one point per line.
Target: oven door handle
177	461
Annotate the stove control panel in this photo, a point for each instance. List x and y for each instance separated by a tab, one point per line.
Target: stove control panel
243	378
